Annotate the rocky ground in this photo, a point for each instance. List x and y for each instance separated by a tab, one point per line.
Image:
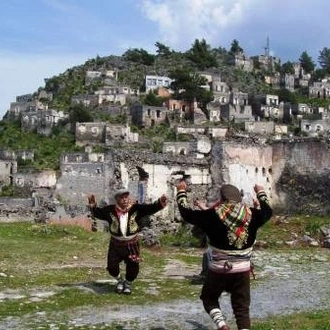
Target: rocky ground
285	283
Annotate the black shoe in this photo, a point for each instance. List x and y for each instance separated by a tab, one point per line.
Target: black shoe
127	287
120	286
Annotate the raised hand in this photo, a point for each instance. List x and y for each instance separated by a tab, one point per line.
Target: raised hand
181	185
163	199
258	187
91	200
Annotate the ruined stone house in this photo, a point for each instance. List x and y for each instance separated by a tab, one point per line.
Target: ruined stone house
268	62
236	113
320	89
302	108
237	110
87	100
103	133
114	94
198	148
147	116
18	108
242	61
214	112
42	120
220	90
91	133
315	127
260	127
8	167
288	82
147	175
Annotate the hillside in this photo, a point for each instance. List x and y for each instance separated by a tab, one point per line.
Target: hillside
130	69
135	64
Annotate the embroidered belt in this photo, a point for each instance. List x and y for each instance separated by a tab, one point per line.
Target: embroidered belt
132	246
122	242
222	262
227	266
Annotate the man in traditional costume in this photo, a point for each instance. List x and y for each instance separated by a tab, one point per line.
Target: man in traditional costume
124	220
231	228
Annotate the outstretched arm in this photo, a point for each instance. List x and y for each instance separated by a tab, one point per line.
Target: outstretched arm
101	213
149	209
195	217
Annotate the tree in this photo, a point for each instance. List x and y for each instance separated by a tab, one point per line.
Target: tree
319	74
324	59
235	48
200	53
306	62
139	56
153	100
287	67
187	85
286	96
162	50
79	113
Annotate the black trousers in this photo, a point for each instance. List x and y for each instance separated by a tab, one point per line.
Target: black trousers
123	252
238	286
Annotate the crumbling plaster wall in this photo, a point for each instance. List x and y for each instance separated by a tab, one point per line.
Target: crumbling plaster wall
162	174
242	165
295	174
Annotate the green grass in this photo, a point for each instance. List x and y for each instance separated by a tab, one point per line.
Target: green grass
70	258
279	230
70	262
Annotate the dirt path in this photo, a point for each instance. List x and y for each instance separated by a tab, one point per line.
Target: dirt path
284	285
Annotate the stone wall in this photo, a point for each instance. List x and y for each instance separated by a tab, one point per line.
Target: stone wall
301	176
83	174
295	174
160	174
29	180
90	133
7	169
289	170
147	176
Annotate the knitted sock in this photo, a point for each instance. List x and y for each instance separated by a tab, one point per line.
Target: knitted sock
217	317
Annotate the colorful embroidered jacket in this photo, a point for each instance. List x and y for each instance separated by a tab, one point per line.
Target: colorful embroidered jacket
231	229
135	213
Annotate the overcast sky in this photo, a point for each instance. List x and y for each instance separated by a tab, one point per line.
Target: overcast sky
42	38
